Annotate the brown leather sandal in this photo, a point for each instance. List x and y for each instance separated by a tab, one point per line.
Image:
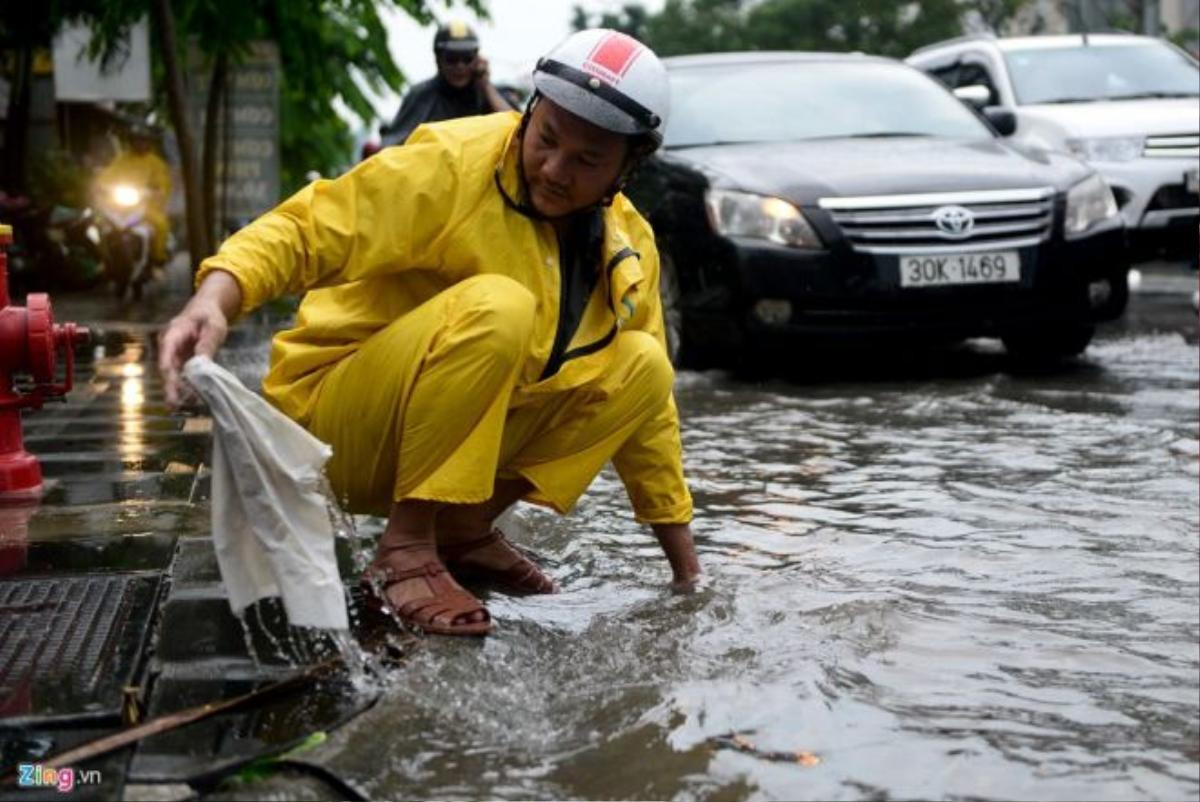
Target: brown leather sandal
446	597
522	577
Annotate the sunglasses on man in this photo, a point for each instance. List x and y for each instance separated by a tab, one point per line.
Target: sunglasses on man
459	58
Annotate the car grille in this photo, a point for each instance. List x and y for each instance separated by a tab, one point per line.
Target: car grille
904	224
1173	146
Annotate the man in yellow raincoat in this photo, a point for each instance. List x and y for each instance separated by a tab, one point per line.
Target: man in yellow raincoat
482	324
139	166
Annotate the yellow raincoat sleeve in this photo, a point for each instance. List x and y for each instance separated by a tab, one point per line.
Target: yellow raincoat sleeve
650	463
386	214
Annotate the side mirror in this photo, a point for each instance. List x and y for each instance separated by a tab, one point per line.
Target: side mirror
1002	119
976	95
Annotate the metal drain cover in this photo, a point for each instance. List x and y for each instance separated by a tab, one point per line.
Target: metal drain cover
70	644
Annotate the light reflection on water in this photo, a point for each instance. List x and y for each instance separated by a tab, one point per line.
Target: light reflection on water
131	371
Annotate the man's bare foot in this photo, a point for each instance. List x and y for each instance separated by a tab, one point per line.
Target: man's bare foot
420	591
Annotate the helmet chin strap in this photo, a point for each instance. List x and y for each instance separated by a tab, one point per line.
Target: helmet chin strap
612	193
521	204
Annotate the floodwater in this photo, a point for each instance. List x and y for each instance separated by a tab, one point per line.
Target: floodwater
927	578
959	582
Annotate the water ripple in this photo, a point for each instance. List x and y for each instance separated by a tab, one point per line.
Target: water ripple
982	587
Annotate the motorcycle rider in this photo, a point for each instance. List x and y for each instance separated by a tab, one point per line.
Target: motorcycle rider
461	87
140	166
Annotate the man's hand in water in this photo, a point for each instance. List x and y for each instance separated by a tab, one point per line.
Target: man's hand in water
680	549
198	330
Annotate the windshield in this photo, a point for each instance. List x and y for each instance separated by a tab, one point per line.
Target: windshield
1101	72
783	102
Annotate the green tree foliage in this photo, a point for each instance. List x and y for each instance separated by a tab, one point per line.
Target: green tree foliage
872	26
682	26
329	50
1187	39
24	27
884	27
997	13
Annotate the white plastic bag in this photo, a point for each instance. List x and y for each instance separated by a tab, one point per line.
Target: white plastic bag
270	524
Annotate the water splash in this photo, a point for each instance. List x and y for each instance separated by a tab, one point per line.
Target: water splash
276	646
297	646
344	527
248	637
364	671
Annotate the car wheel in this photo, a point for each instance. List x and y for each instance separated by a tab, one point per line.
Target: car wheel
1112	304
1049	344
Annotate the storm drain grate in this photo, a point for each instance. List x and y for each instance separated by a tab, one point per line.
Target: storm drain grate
69	645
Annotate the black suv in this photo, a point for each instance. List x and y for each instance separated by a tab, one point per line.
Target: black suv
848	197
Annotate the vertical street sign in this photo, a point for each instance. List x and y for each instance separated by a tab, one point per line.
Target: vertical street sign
247	141
248	172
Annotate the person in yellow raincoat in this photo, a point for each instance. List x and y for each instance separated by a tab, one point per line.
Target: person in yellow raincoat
140	167
482	324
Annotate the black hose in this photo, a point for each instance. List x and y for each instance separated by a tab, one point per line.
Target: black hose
211	778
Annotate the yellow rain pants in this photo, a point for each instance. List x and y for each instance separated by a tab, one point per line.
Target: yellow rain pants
424	410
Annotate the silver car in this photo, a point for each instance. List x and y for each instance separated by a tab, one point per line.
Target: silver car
1129	105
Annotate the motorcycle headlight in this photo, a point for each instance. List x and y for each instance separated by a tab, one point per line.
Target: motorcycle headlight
125	196
742	214
1088	203
1107	149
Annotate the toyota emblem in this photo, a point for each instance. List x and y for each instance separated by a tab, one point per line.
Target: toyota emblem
955	222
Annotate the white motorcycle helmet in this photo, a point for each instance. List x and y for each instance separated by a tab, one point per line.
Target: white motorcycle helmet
609	79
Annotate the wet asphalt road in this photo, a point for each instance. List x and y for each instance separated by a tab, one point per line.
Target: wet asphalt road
939	576
943	580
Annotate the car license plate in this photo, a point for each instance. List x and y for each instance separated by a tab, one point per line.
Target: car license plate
1191	180
946	269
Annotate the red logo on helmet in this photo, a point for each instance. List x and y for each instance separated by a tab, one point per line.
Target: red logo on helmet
612	57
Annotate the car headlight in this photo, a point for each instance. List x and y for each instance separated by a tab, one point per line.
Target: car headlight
1088	203
742	214
125	196
1107	149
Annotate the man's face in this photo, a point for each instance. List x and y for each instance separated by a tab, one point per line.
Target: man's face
569	163
457	67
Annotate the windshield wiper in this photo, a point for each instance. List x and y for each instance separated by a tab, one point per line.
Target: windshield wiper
1138	96
1068	100
717	143
886	134
1141	95
723	142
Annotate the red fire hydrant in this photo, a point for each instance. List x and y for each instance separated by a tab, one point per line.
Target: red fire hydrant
29	342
